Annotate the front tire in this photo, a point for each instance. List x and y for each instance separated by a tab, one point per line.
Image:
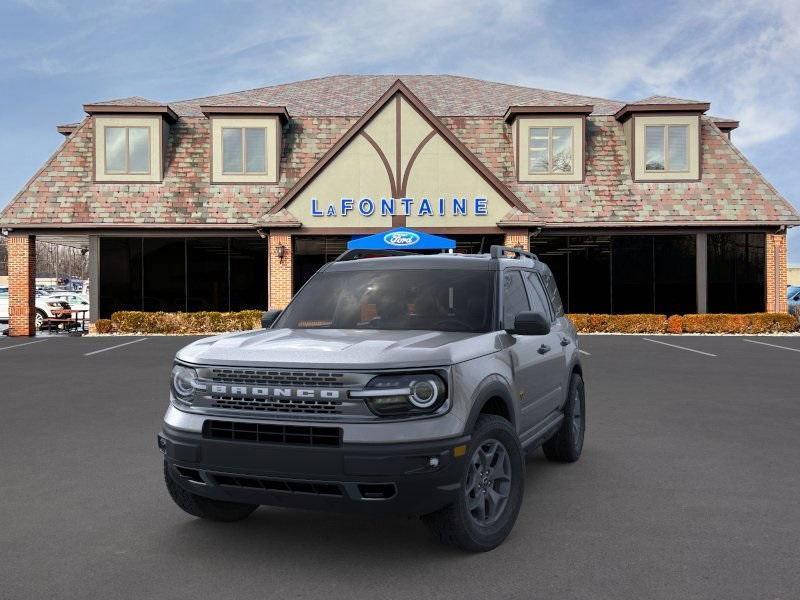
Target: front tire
567	444
491	491
205	508
39	318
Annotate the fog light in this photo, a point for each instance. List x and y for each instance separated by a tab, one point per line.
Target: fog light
433	461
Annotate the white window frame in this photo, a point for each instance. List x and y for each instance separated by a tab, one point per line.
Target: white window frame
244	171
127	129
665	148
550	129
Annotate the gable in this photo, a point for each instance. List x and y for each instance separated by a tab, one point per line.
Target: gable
398	162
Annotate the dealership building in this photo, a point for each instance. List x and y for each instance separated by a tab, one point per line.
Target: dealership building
233	201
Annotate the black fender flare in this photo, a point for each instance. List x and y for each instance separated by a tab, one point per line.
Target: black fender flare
493	386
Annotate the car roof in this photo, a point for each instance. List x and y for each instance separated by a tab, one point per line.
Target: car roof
477	262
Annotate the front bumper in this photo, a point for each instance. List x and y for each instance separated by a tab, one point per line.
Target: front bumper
399	478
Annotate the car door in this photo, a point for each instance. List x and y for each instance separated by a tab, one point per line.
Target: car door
557	374
531	355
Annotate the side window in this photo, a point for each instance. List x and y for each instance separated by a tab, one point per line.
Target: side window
552	293
515	299
537	295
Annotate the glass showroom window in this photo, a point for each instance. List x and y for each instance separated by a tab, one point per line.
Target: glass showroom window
550	150
127	150
244	150
666	148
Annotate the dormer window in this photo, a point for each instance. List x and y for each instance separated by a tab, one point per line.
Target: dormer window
129	140
245	143
548	142
127	150
550	150
663	138
666	148
244	150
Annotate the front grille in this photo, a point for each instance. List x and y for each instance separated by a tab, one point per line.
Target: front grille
271	377
279	485
279	405
273	434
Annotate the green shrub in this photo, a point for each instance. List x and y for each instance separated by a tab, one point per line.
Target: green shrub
197	322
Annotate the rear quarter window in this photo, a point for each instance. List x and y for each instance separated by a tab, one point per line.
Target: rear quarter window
552	293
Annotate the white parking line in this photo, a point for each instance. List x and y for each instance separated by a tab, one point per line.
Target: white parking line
113	347
584	352
771	345
680	347
20	345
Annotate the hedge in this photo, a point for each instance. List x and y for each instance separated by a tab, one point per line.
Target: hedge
706	323
643	323
218	322
195	322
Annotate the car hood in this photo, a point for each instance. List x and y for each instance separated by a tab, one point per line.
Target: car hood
340	348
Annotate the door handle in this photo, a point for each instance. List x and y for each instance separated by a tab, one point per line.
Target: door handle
565	341
543	349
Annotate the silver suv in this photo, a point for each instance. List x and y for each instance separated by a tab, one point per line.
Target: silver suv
395	384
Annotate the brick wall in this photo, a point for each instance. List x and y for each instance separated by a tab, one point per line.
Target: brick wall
776	273
517	238
21	284
280	271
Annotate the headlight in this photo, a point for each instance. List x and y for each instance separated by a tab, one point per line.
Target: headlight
183	380
404	395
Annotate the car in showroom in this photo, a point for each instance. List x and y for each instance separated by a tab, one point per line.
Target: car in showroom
403	384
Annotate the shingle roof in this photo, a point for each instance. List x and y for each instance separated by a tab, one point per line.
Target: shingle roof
666	100
130	101
63	193
352	95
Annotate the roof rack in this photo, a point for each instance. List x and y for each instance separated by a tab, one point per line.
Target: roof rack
500	252
357	254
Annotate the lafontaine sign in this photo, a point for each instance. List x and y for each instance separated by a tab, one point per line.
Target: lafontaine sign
422	207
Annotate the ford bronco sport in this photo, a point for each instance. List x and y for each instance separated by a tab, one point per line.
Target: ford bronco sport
395	384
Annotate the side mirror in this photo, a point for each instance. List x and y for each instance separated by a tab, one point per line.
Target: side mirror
531	323
268	318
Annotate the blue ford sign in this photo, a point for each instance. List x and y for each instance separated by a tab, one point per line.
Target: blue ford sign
401	237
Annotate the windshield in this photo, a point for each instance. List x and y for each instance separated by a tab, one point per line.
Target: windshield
435	300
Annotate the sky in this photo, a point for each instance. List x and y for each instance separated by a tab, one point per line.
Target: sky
739	55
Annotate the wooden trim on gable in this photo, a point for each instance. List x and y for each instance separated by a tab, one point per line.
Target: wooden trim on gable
398	87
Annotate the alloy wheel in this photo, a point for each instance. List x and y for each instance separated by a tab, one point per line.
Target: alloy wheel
488	482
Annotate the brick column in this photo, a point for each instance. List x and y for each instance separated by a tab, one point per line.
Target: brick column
517	238
775	273
280	270
21	284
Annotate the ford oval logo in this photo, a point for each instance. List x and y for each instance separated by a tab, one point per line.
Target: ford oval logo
401	238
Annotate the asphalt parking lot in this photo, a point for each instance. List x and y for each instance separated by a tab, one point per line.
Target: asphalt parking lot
688	488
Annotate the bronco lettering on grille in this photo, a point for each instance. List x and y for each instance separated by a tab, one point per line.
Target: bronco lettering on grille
276	392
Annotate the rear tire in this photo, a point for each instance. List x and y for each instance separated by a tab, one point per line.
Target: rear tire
567	444
205	508
491	490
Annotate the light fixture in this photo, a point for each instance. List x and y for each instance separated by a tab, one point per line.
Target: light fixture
261	233
5	231
280	252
